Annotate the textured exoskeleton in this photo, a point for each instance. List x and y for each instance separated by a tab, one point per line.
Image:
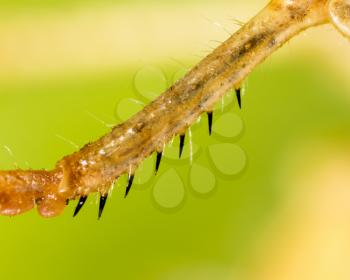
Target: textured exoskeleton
97	165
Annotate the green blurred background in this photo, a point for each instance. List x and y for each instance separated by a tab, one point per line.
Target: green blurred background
64	68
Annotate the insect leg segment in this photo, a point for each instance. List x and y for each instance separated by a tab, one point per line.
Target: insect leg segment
339	12
97	164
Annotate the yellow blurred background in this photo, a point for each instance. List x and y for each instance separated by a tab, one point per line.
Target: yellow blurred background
65	69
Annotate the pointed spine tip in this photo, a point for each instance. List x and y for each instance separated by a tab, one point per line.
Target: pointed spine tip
128	187
158	161
103	200
182	144
80	205
239	97
210	121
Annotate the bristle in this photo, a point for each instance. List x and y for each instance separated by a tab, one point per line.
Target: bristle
130	181
210	121
80	204
182	144
103	200
159	159
239	97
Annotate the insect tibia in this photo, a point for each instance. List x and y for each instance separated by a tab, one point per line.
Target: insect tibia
97	165
172	113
